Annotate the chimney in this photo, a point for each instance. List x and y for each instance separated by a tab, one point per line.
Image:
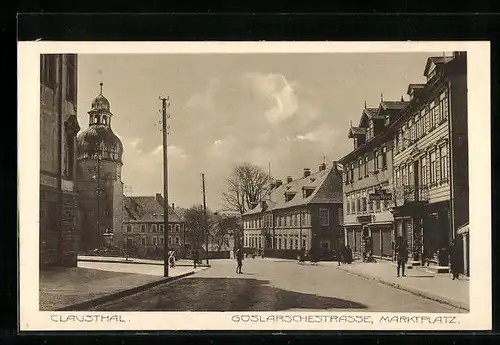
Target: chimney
307	172
278	183
322	166
173	206
159	198
289	179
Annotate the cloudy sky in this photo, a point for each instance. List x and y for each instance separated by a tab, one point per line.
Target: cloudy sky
287	110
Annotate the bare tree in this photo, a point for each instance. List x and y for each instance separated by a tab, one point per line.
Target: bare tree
223	227
246	186
195	223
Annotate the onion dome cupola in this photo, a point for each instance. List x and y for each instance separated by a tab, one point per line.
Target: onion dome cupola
98	140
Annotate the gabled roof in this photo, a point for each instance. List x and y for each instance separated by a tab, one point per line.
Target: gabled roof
412	87
356	131
436	60
368	113
327	186
146	209
393	105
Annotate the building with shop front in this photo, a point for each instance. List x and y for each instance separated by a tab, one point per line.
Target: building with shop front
431	161
99	155
58	130
143	227
305	213
368	182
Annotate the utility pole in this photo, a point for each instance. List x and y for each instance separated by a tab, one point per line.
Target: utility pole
205	213
165	116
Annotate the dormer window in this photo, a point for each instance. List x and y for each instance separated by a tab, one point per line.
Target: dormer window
289	196
307	192
387	120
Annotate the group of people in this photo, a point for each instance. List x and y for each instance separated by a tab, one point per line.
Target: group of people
344	255
401	254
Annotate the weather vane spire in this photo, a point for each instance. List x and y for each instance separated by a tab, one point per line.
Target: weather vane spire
101	86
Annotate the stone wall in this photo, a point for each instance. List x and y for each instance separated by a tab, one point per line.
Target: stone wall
69	238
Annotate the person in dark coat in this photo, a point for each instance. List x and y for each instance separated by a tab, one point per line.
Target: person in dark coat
340	254
401	255
455	260
239	260
348	255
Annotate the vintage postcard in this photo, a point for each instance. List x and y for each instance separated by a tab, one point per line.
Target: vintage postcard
254	186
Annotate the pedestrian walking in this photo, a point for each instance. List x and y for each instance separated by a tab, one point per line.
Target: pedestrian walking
455	260
401	255
348	255
341	254
239	260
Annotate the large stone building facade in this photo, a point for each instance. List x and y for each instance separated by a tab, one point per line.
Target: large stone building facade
58	130
143	227
99	179
301	214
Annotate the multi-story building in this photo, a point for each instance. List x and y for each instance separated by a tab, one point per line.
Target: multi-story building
143	226
99	179
368	180
431	159
305	213
58	130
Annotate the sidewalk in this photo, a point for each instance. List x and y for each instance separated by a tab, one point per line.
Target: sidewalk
181	262
96	282
439	287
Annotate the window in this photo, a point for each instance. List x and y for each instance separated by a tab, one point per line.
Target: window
170	228
129	228
348	205
154	228
443	107
143	228
411	132
366	166
417	134
346	175
324	217
161	240
71	78
169	239
423	171
377	205
426	119
284	243
352	172
411	176
279	221
384	157
177	240
177	228
360	165
285	220
432	115
443	152
353	205
154	241
375	160
341	216
279	243
143	240
404	175
48	65
161	227
433	170
398	177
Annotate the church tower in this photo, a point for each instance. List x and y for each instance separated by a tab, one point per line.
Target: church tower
99	156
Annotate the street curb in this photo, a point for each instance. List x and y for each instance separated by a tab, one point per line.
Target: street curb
413	291
139	263
120	294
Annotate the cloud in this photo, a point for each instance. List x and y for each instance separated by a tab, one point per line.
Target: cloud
279	90
323	134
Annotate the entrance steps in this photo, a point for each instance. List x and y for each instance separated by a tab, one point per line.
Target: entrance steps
438	269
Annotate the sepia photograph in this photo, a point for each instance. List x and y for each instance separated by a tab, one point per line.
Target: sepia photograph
269	189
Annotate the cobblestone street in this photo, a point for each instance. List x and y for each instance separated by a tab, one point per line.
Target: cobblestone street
275	285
